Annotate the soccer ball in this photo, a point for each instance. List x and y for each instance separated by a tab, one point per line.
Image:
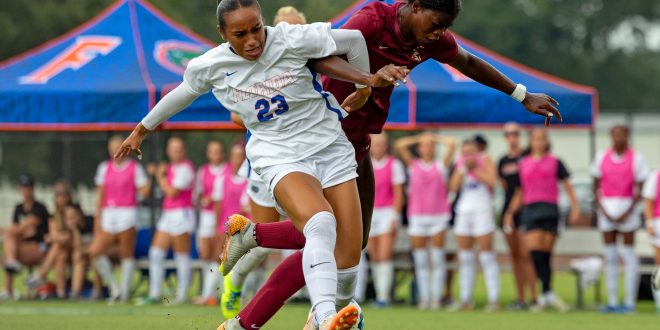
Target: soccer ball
655	278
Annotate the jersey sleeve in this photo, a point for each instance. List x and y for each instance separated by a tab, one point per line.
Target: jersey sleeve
218	191
398	173
367	22
309	40
196	77
99	177
141	179
562	171
641	169
595	165
183	177
446	48
650	189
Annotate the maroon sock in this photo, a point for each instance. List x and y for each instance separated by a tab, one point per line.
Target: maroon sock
279	235
283	283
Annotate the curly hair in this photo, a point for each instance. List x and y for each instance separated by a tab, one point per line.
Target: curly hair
450	7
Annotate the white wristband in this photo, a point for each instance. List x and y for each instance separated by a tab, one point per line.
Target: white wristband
358	86
519	93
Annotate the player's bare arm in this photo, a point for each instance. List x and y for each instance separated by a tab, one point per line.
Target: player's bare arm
484	73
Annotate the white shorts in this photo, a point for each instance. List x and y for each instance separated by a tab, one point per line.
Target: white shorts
259	194
383	221
427	225
176	222
115	220
333	165
655	240
474	223
207	224
615	207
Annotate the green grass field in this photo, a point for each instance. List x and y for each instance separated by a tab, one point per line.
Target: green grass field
43	315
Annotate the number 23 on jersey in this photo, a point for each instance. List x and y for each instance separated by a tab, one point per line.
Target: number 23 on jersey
277	104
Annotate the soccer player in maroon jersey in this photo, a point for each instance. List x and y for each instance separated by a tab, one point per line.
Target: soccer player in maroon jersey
404	34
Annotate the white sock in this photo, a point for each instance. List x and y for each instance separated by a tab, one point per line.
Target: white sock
611	270
104	266
467	267
156	271
127	268
319	264
183	274
211	279
631	272
383	275
362	278
422	274
346	282
656	297
247	264
438	273
491	270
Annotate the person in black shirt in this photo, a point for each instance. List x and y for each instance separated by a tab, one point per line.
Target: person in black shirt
507	169
24	240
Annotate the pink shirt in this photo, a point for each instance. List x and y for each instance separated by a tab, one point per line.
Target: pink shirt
233	188
184	198
206	181
539	179
119	186
384	187
427	190
617	178
656	209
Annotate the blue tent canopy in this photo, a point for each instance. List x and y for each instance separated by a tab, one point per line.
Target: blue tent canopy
105	74
109	72
438	95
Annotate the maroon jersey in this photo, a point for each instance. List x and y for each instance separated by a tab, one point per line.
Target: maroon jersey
379	24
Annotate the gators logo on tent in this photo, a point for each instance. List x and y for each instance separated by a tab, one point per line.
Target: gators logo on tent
174	55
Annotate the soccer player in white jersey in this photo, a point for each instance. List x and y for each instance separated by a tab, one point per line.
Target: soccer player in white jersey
618	175
296	145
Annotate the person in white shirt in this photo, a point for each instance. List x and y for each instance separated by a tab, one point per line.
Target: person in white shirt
651	194
619	173
297	145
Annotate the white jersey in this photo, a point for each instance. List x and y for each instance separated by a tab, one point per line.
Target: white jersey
474	195
279	99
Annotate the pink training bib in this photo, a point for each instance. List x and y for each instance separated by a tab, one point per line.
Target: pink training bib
656	209
428	190
119	186
207	180
384	188
538	178
231	200
184	198
617	179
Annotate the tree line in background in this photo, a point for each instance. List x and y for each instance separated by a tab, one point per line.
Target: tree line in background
612	45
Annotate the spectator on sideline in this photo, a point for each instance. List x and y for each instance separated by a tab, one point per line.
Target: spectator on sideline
176	224
651	196
390	176
81	229
290	15
24	240
474	176
619	173
508	168
118	182
208	238
541	174
428	212
59	238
